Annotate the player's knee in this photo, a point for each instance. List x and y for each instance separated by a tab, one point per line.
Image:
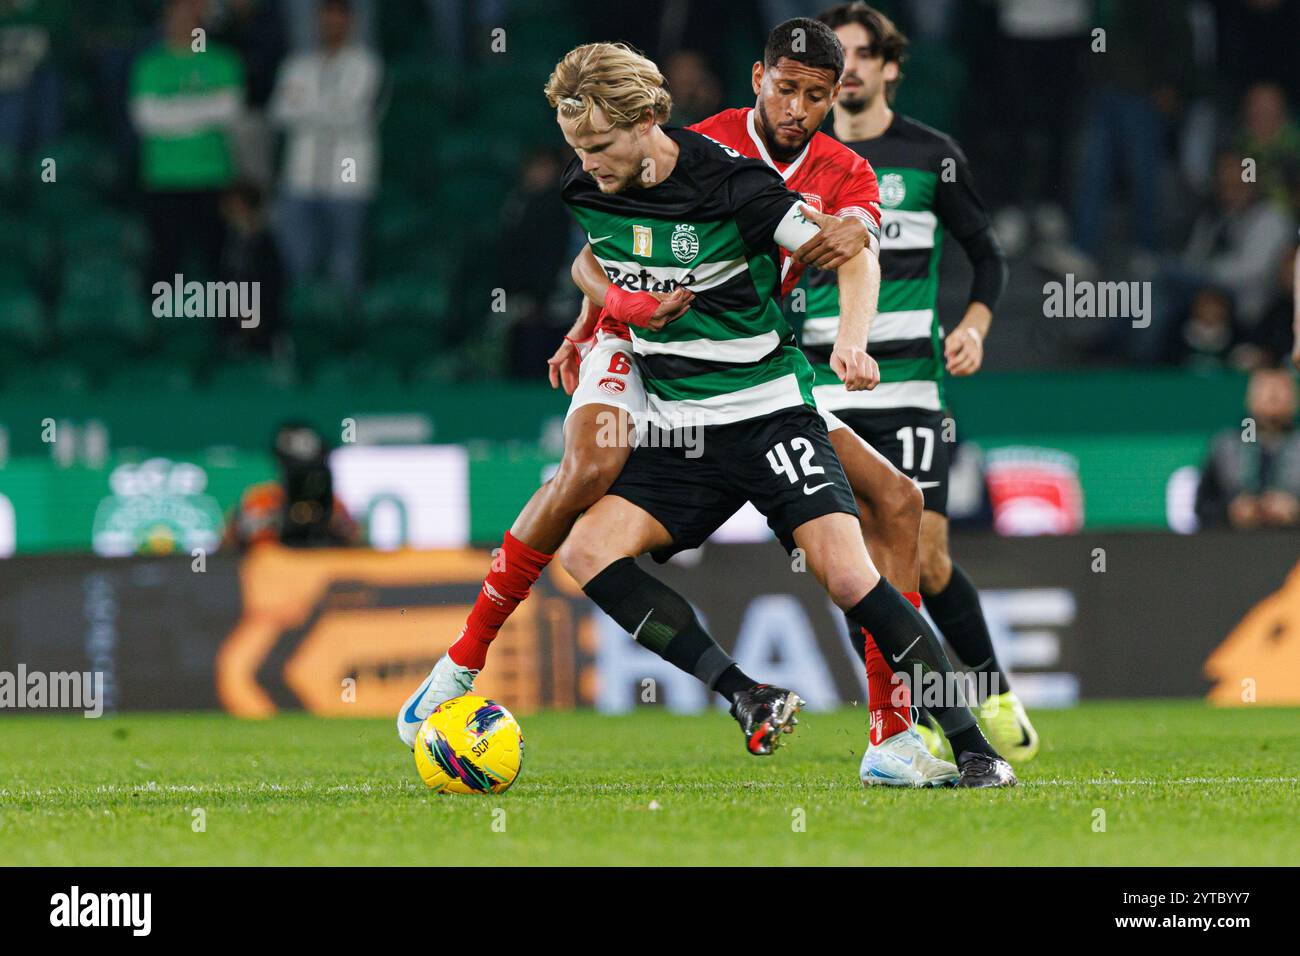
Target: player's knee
582	555
846	585
904	505
582	481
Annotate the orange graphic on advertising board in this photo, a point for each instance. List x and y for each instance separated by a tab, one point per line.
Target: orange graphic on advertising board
351	632
1259	661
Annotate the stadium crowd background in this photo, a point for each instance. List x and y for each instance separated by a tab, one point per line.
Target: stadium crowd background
1122	165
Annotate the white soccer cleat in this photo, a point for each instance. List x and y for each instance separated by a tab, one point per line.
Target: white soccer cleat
447	680
904	761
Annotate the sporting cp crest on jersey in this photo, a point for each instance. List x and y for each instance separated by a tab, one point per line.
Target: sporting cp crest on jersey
892	190
685	243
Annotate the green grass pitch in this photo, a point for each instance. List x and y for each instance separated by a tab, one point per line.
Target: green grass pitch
1179	783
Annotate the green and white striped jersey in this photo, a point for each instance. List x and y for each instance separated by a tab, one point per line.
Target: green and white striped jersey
710	226
917	169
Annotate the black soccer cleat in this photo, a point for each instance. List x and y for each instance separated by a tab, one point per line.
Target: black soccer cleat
984	770
764	713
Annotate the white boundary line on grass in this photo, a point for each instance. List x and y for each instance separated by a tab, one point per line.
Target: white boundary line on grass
410	786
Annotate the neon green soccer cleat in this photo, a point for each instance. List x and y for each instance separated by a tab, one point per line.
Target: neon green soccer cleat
1008	727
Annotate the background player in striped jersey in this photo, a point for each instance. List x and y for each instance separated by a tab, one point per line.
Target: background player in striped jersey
926	188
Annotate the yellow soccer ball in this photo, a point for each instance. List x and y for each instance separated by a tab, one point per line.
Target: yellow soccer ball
469	744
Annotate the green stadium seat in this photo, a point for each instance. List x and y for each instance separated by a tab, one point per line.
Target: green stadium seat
252	375
356	374
103	229
156	374
410	298
22	319
56	377
82	159
101	298
26	243
319	305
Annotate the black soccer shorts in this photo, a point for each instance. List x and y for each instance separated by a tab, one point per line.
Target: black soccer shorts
912	440
783	462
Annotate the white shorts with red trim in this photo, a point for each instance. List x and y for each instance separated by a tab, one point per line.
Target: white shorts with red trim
609	376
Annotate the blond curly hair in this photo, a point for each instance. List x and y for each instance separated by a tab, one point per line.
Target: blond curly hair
613	78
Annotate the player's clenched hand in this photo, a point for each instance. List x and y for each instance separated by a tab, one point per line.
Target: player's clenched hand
856	369
647	310
671	306
838	241
562	367
963	351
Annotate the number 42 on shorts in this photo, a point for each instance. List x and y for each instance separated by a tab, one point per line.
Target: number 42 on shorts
783	463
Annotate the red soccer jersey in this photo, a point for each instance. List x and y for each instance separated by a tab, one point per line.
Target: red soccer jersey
831	177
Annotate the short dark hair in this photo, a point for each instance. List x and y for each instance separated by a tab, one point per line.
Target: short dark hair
805	41
887	40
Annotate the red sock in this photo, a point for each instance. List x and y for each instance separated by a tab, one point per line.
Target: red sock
887	717
514	569
886	720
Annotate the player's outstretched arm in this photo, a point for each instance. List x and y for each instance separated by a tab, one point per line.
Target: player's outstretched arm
859	281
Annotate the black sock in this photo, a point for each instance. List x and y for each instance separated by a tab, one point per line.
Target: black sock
663	621
960	619
857	639
912	650
732	681
971	740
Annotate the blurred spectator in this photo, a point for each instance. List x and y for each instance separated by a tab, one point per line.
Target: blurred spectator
1235	245
250	255
1272	340
463	31
1271	138
182	105
1256	483
302	19
697	94
31	108
1236	242
325	101
255	30
1209	334
299	509
1137	86
1041	45
533	217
